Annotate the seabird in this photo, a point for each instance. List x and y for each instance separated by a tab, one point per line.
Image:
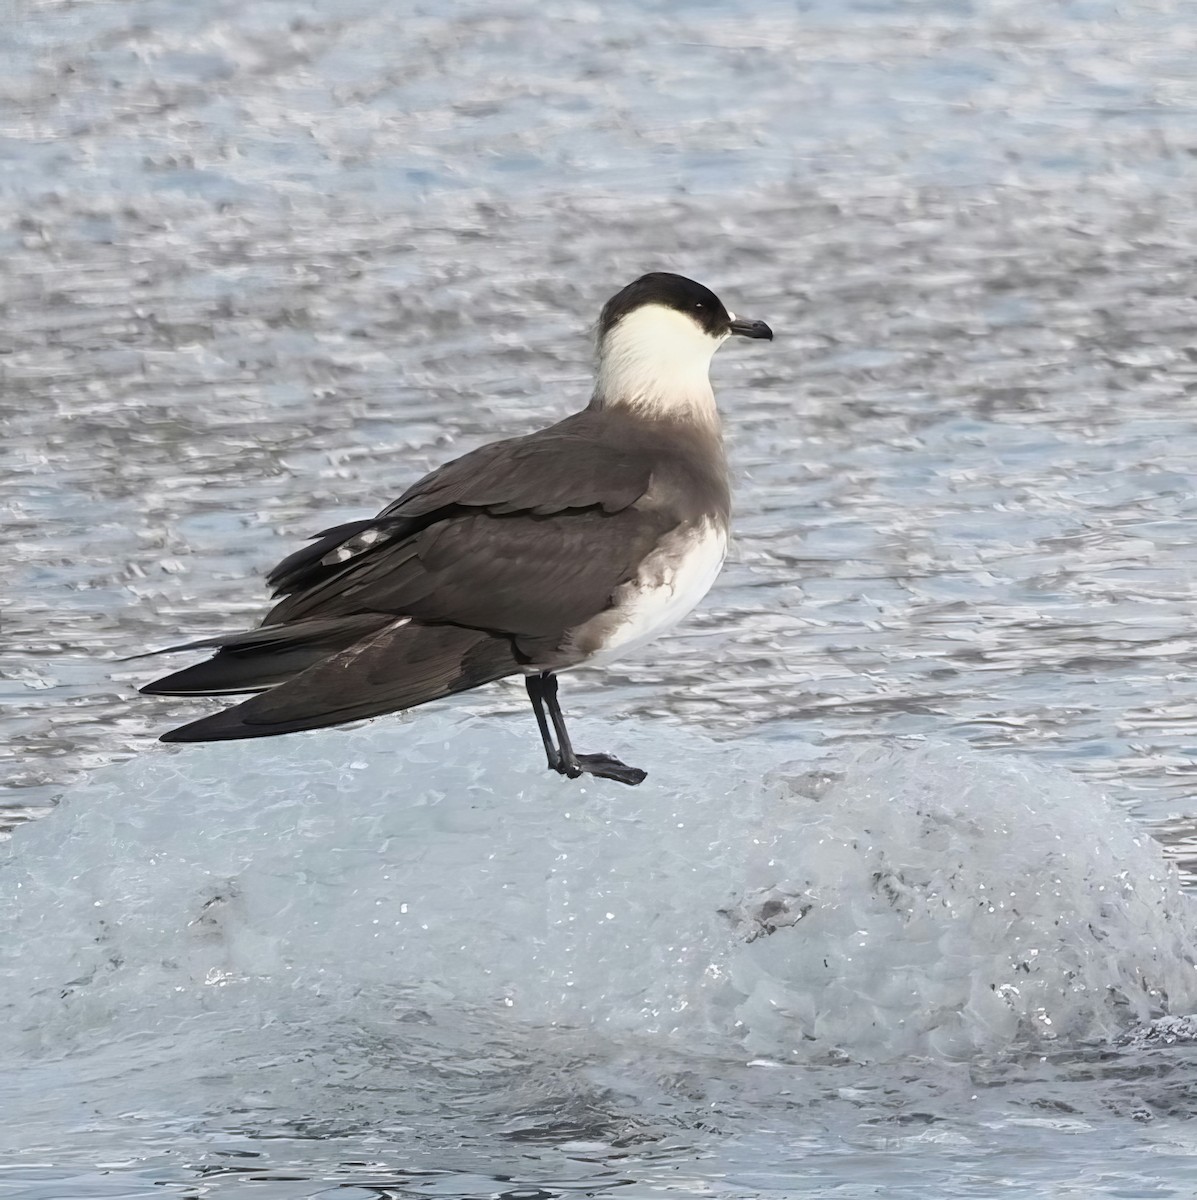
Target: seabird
532	555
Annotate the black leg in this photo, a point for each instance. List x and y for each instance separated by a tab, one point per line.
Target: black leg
567	762
535	686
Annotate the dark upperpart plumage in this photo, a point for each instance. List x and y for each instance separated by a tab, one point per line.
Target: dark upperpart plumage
501	562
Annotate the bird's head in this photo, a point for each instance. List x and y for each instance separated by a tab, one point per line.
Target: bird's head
656	339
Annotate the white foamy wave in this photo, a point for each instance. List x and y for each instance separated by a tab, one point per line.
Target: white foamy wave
905	901
935	901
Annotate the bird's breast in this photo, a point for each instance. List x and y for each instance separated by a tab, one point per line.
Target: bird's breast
671	581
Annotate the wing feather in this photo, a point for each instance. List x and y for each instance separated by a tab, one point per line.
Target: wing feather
519	575
555	470
504	549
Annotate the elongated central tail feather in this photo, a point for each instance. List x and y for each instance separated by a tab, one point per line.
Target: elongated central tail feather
401	666
256	659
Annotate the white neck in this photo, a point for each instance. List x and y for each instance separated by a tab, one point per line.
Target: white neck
656	362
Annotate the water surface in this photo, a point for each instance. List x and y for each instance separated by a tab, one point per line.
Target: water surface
266	263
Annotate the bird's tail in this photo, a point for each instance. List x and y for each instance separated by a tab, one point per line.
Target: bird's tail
401	665
262	658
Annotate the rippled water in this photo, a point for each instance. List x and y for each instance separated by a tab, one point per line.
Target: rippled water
264	264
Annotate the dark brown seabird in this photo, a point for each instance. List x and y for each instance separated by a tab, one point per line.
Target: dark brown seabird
531	555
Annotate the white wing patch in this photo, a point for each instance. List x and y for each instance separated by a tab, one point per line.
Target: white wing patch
354	546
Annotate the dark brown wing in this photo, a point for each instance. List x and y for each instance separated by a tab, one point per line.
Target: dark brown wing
527	537
515	574
554	470
463	580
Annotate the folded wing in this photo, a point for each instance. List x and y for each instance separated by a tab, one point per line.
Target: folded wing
473	574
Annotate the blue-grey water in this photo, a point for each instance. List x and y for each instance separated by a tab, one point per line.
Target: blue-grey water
265	263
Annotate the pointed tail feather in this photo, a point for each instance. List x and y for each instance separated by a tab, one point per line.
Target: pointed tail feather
231	675
257	659
399	667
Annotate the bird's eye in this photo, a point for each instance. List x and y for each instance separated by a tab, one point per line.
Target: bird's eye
699	304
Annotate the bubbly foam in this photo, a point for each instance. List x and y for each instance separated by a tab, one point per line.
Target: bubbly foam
904	901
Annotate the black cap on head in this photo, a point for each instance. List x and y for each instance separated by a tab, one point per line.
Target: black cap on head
670	291
678	292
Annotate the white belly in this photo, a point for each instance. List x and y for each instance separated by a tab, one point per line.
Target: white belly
673	579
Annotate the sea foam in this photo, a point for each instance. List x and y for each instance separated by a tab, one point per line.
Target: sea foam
751	899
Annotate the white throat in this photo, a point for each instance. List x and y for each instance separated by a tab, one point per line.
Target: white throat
657	361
